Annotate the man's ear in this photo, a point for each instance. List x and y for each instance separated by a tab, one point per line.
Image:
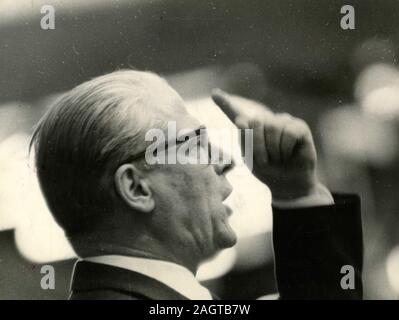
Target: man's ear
133	189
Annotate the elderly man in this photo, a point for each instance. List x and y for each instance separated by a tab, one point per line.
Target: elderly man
142	229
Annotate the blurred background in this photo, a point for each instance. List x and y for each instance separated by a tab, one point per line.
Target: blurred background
291	55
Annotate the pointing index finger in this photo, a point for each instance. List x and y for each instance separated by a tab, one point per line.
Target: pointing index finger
223	101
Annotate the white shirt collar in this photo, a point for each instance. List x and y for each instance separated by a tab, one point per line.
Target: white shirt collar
171	274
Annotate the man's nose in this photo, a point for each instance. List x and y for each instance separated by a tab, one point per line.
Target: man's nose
227	167
223	164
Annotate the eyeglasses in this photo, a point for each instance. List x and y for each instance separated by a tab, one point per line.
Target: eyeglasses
165	145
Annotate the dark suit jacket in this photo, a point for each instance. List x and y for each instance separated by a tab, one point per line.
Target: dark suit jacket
311	246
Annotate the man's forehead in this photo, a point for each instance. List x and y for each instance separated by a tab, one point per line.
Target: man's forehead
172	108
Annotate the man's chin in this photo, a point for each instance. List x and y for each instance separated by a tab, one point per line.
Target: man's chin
227	237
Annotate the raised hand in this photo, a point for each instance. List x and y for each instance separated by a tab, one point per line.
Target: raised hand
284	154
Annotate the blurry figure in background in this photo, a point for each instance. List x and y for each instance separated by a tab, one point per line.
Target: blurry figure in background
369	161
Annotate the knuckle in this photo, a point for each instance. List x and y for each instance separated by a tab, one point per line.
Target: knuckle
301	125
285	116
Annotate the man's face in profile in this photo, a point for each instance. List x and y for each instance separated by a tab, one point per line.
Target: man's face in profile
189	198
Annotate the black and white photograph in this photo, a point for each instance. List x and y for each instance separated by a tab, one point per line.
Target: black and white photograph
223	150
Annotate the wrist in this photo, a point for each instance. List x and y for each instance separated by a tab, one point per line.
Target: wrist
320	197
295	190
